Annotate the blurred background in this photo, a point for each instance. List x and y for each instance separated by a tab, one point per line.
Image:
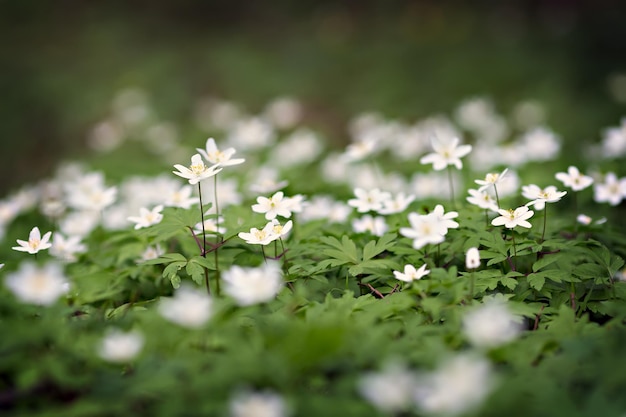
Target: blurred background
63	62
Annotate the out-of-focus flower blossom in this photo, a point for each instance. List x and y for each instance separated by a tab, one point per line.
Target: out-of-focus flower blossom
147	217
120	347
397	204
257	404
251	134
66	249
491	325
181	198
458	386
249	286
389	390
472	258
540	144
368	224
612	190
189	307
482	199
38	285
424	229
574	179
151	252
614	141
369	200
300	147
284	112
446	153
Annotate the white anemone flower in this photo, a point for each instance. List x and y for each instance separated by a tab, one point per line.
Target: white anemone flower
197	171
35	242
374	225
574	179
120	347
612	190
259	237
189	307
482	199
258	404
276	205
411	274
456	387
446	153
397	204
541	196
491	179
369	200
424	229
224	158
147	217
248	286
491	325
66	249
513	218
390	390
38	285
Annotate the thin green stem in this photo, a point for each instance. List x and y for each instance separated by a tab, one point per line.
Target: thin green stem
471	289
495	188
486	217
450	180
217	236
206	271
545	220
514	249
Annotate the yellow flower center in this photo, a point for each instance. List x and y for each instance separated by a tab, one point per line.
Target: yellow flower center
198	168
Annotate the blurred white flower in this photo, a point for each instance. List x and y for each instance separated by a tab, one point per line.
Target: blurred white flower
369	200
79	223
472	258
411	274
424	229
397	204
612	190
540	144
361	149
257	404
35	242
586	220
251	134
614	141
89	192
324	207
197	171
119	347
541	196
213	113
66	249
266	181
181	197
446	153
227	190
284	112
106	136
491	325
574	179
147	217
458	386
189	307
374	225
513	218
389	390
211	226
299	148
482	199
151	252
38	285
253	285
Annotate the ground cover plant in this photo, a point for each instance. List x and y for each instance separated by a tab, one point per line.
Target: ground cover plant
453	265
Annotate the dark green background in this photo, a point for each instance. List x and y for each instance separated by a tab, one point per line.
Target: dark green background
62	62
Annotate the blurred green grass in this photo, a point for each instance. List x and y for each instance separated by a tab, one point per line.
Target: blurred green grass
64	61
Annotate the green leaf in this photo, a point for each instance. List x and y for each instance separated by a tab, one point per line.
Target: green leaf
536	281
196	272
545	261
373	248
